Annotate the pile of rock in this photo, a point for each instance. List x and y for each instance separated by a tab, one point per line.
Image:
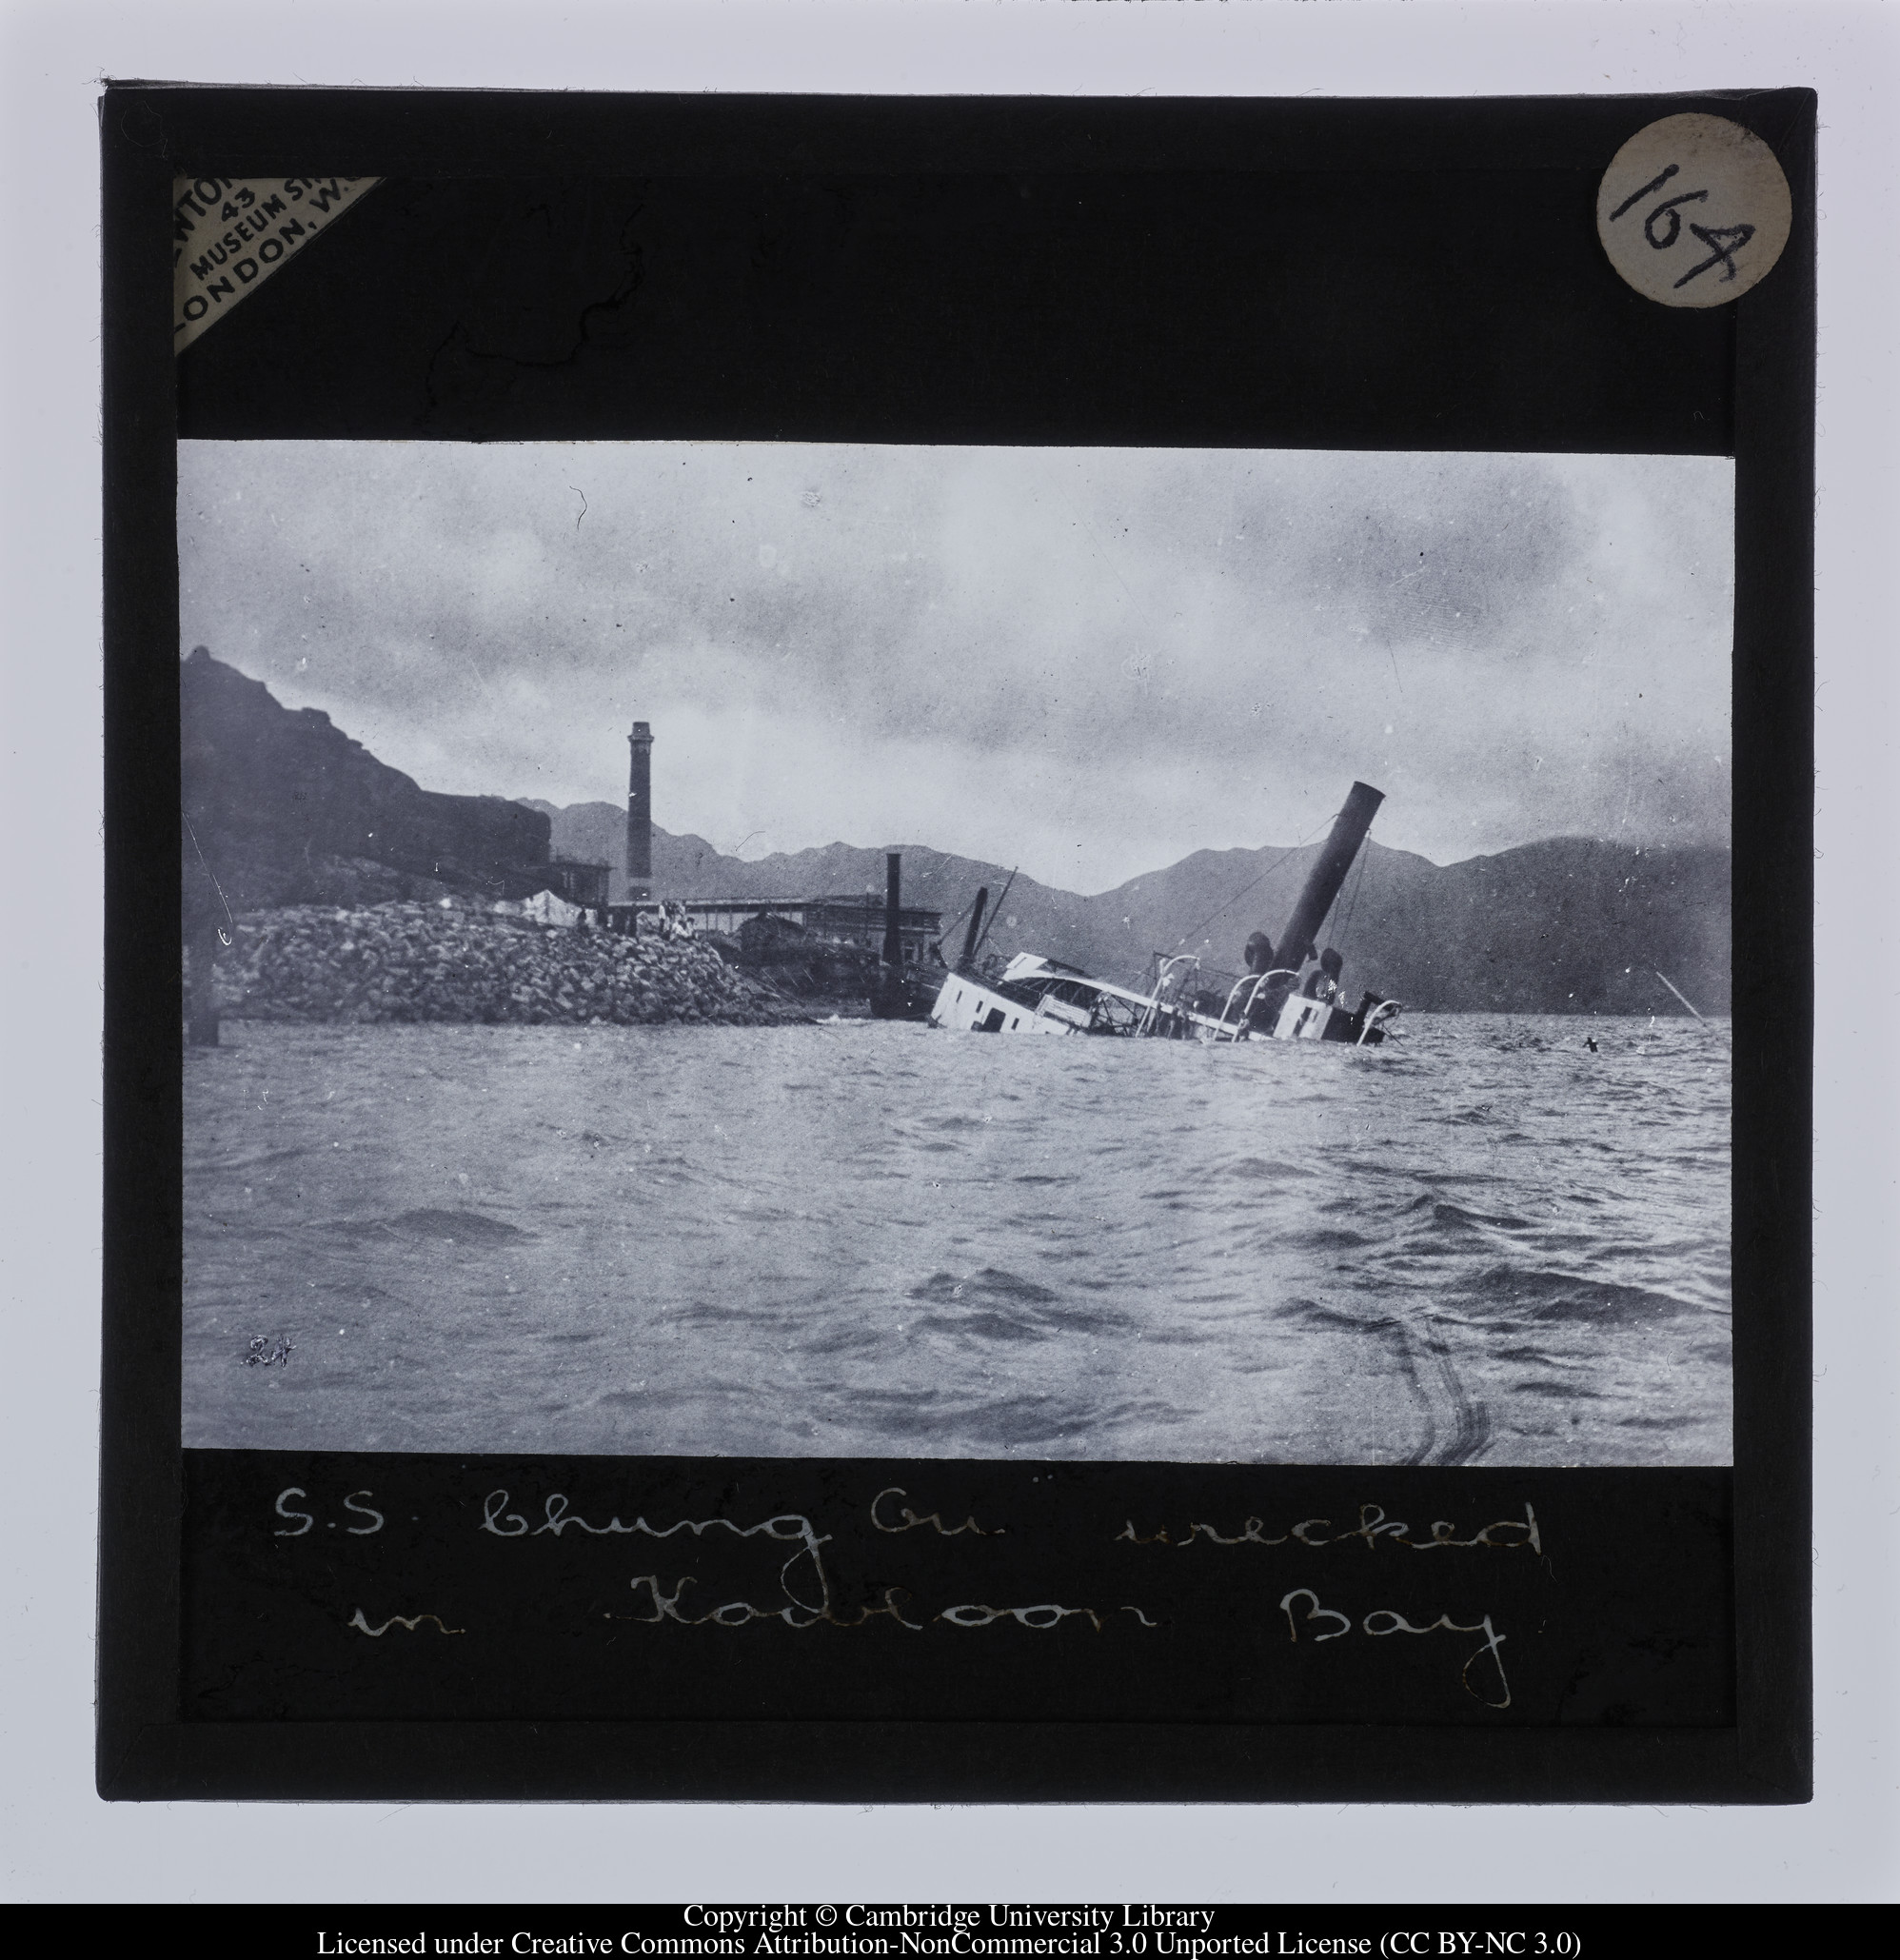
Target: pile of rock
410	961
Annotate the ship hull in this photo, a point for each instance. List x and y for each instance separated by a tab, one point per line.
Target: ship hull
965	1002
1035	996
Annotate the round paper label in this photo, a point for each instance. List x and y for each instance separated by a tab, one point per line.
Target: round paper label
1693	210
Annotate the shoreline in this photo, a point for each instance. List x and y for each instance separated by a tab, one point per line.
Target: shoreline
409	961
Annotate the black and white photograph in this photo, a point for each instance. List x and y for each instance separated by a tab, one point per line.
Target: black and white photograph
626	887
755	566
991	976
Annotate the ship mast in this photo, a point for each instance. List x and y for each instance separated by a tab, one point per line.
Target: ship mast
973	934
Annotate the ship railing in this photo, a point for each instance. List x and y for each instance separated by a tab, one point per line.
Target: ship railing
1377	1017
1170	986
1246	991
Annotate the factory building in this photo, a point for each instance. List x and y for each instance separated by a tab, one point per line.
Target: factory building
851	919
578	883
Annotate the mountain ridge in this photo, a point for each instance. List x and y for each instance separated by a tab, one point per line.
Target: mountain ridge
1566	924
279	806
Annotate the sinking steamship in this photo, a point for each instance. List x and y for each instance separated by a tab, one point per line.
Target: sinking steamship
1186	1001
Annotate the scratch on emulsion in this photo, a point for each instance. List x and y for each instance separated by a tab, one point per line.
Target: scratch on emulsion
361	1625
223	934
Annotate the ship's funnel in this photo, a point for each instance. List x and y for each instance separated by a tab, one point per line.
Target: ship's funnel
976	926
893	909
1329	872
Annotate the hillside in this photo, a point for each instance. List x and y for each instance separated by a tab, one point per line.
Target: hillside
689	867
1566	925
281	807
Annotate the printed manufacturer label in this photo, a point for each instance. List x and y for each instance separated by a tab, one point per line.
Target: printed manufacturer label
229	234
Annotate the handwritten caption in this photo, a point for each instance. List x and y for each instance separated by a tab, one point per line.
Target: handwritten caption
795	1586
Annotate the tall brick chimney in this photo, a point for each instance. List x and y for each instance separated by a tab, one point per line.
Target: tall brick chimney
640	815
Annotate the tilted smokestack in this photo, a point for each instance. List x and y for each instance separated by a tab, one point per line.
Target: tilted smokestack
1329	871
640	814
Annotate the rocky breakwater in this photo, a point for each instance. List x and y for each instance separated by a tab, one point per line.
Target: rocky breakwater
407	961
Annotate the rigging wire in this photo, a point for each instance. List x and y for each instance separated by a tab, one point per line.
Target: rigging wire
1353	903
1320	936
996	913
1235	898
944	932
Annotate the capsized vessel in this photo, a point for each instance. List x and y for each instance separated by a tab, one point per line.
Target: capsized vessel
1186	1000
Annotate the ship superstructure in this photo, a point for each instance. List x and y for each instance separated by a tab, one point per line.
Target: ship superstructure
1293	999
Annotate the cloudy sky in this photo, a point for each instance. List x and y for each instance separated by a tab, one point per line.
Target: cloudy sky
1089	662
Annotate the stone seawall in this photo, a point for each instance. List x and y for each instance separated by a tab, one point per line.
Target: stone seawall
409	961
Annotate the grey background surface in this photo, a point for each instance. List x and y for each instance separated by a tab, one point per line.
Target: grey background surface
56	1840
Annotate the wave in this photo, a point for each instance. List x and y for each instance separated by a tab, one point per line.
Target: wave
1447	1256
459	1228
1541	1297
993	1305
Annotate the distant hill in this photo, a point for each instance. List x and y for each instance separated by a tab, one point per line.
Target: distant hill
1566	925
281	807
689	867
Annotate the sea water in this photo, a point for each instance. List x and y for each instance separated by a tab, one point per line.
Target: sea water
1485	1242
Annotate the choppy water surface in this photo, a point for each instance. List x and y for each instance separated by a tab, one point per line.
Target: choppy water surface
1485	1244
